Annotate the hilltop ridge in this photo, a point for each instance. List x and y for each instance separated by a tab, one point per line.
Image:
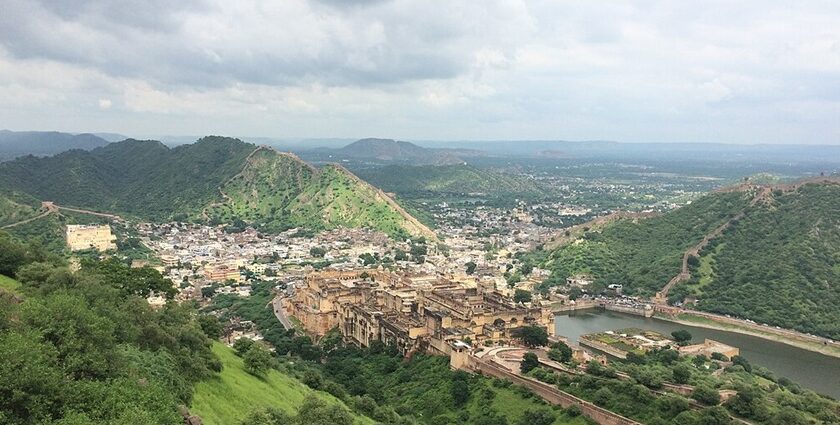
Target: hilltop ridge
216	178
768	253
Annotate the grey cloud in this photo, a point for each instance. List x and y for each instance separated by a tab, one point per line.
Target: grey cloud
135	39
437	68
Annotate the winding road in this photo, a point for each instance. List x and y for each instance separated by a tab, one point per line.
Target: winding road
277	305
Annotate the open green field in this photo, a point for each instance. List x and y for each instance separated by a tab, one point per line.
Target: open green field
230	396
9	284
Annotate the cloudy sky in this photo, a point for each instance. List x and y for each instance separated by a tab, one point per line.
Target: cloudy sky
708	71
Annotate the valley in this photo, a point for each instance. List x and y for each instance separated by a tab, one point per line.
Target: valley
317	268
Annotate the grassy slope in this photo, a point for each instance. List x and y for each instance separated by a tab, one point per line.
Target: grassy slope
9	284
278	191
228	398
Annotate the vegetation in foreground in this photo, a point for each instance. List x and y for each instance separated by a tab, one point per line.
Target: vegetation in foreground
236	392
92	349
634	388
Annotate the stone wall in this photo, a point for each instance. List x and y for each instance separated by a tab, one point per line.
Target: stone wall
465	361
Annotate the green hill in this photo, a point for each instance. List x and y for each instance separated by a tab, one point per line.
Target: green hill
776	262
277	191
643	253
230	396
458	180
14	210
780	264
146	179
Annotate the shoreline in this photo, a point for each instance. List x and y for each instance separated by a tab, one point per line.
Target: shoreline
707	323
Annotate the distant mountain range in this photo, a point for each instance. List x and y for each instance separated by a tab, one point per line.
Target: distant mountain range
391	151
217	179
19	143
457	180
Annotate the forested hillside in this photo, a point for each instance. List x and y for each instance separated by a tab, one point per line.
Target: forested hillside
13	209
780	264
146	179
643	253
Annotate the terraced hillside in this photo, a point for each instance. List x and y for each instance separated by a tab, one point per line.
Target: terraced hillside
217	178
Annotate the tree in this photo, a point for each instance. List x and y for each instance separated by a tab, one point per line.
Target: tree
671	405
522	296
30	396
210	326
258	360
682	336
268	416
460	388
536	417
418	250
314	411
367	259
317	252
706	395
720	357
529	362
788	416
471	267
532	336
560	352
526	269
602	396
667	356
743	362
682	373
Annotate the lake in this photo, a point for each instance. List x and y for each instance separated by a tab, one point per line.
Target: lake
816	371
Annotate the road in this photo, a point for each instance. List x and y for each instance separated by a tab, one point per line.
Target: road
277	305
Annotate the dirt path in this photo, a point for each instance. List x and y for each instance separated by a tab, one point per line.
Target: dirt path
764	193
51	208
